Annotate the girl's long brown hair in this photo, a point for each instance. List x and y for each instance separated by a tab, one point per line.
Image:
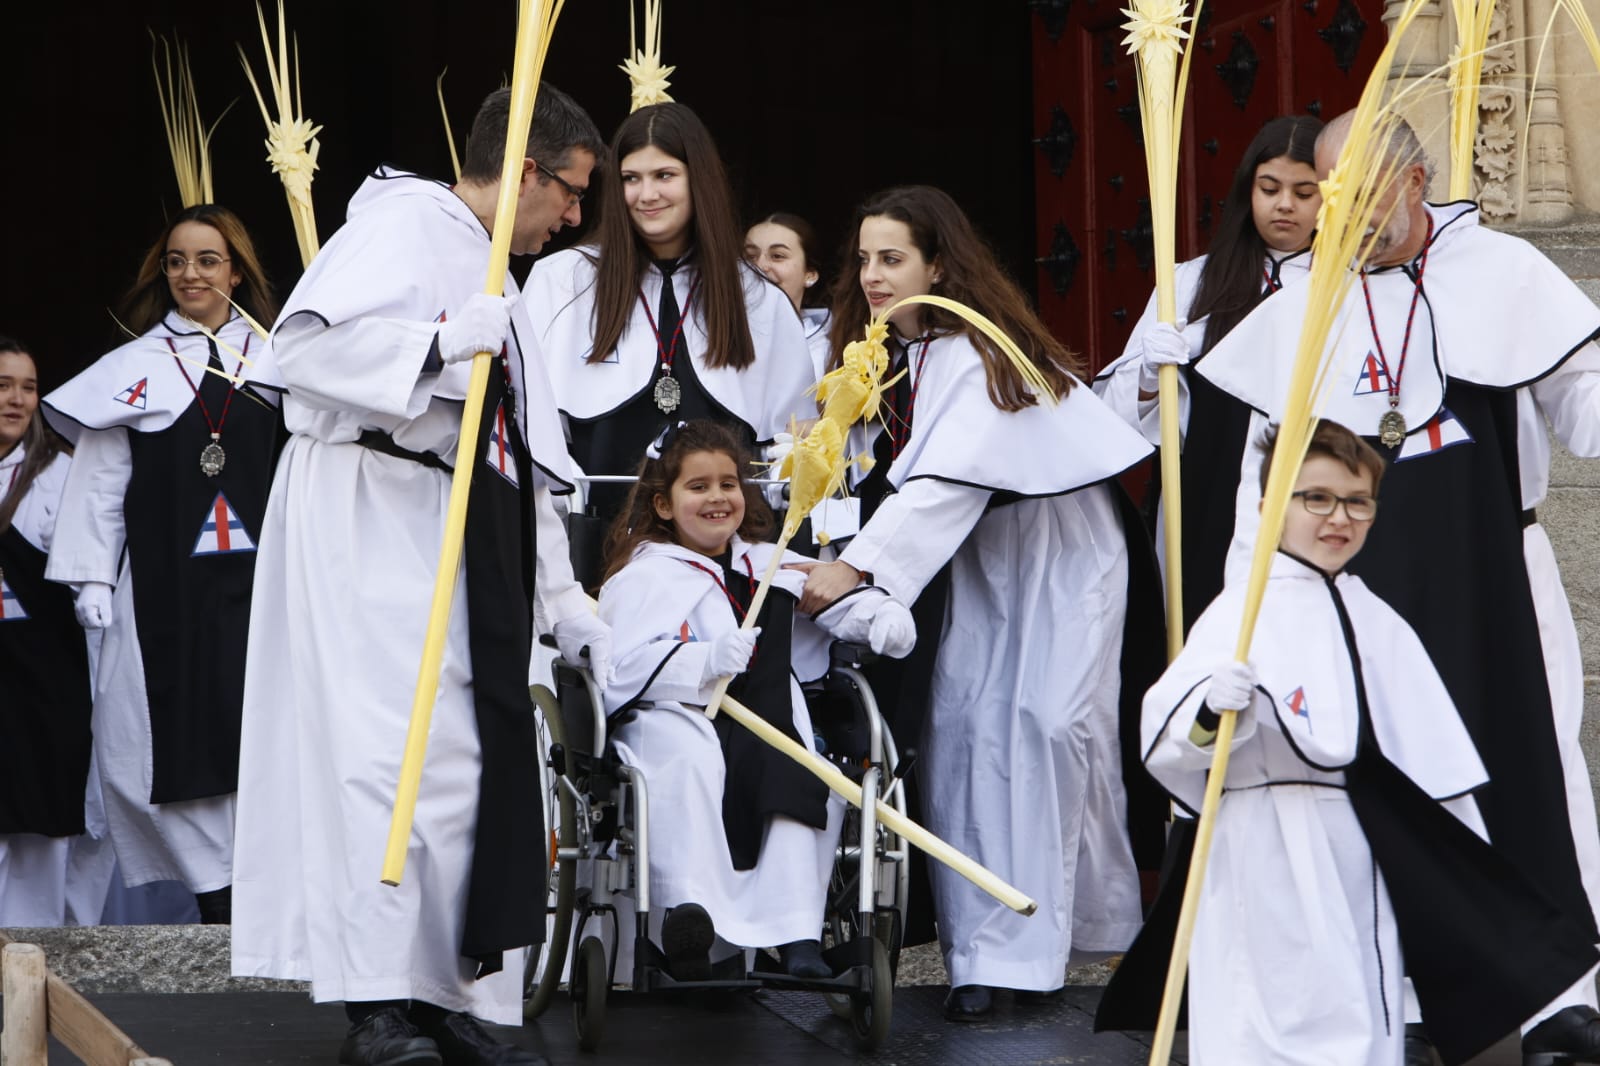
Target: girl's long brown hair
718	241
148	302
1230	282
40	444
970	274
639	522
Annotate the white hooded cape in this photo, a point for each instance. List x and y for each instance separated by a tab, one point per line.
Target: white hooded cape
1296	957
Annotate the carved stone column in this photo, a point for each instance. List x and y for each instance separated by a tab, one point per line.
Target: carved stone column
1421	53
1549	192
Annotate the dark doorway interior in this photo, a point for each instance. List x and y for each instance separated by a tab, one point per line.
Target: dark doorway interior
815	106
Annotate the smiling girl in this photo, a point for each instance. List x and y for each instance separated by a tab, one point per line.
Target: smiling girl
170	479
754	833
660	319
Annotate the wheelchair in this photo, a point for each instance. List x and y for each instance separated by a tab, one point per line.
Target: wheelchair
598	810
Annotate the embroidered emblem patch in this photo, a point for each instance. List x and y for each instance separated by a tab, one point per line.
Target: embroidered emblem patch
1298	705
1373	376
499	455
11	609
134	395
1443	431
222	532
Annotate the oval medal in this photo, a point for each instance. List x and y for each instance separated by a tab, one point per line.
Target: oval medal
667	394
212	458
1392	428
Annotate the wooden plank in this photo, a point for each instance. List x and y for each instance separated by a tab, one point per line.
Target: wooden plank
86	1032
25	1040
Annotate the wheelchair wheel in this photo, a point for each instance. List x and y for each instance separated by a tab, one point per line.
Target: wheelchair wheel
539	986
870	1011
589	992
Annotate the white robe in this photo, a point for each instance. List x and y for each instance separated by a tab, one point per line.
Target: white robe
648	603
764	395
1572	406
1118	383
50	881
1296	956
1557	375
816	321
191	840
1020	758
343	584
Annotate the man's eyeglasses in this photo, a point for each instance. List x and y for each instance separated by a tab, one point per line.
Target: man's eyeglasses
174	264
574	194
1321	504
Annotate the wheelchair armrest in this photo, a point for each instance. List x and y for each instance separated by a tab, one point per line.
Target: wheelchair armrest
850	654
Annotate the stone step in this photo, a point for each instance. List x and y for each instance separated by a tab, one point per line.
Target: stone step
143	958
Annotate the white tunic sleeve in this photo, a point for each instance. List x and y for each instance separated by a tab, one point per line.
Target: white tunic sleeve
557	590
1570	399
1246	507
915	532
90	528
366	364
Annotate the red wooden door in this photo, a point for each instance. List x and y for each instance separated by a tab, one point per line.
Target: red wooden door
1254	59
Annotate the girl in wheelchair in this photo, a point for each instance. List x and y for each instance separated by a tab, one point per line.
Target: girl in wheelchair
753	834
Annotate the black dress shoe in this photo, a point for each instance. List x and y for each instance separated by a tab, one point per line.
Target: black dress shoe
803	958
1419	1049
1034	997
464	1042
216	906
1570	1035
387	1038
686	939
968	1003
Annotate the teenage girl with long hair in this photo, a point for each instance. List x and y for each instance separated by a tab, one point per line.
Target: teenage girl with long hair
660	319
1019	750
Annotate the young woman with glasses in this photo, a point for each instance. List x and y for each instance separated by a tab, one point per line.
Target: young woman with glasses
169	483
1006	491
660	319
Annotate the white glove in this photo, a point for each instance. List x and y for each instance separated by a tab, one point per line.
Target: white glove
93	605
730	654
584	631
479	325
1232	687
782	444
892	632
1162	345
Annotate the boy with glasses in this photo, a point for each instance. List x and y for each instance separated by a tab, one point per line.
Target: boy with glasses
1333	844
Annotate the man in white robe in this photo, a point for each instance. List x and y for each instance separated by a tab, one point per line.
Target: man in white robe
1496	329
373	352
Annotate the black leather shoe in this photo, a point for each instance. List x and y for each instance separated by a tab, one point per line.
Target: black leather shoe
1419	1049
1570	1035
216	907
969	1003
1033	997
686	939
387	1038
803	958
464	1042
